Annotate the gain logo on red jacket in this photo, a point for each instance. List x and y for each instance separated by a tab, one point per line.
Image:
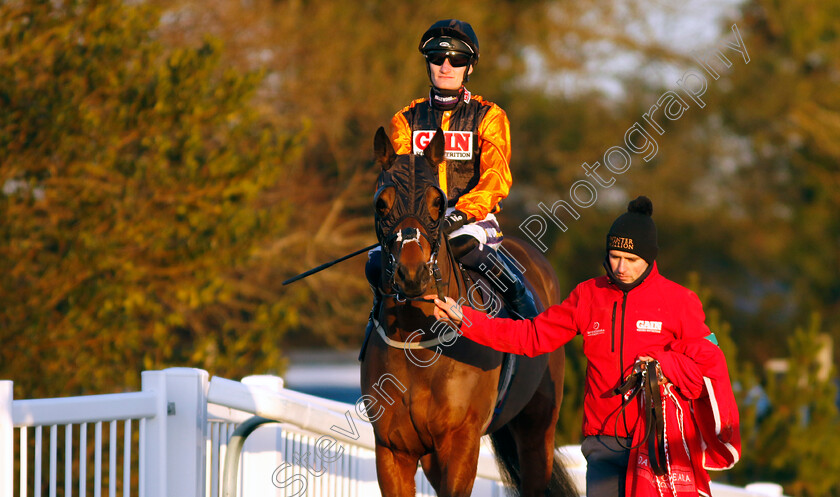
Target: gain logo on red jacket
458	143
643	326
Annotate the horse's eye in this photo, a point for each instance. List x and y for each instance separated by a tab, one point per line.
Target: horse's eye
384	201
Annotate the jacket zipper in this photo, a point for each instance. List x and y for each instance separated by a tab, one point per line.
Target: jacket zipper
621	352
621	341
612	335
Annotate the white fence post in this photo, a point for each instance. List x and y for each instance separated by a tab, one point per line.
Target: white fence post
7	439
153	444
176	447
187	431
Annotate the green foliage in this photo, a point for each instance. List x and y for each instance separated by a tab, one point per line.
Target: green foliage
796	443
785	106
135	194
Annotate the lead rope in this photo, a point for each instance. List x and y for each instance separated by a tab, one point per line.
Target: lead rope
629	390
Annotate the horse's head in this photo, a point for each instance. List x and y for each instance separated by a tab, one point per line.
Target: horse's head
410	207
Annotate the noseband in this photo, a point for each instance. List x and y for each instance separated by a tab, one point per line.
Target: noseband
404	236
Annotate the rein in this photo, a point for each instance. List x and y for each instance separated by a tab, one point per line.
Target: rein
642	380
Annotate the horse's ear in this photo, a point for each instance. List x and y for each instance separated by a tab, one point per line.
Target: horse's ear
434	150
383	151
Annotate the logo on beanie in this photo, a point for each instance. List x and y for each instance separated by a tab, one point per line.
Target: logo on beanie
618	242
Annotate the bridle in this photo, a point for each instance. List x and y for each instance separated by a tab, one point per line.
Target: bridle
408	204
406	235
389	262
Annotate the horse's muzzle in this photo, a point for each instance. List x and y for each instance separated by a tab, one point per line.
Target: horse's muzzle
412	281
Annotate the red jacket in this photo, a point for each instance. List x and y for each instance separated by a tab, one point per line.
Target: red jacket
617	327
702	422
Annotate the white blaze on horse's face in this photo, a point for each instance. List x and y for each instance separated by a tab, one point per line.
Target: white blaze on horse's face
414	238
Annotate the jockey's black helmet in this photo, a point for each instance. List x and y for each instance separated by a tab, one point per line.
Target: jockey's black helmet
450	35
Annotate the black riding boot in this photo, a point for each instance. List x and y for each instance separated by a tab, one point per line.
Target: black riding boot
373	273
505	275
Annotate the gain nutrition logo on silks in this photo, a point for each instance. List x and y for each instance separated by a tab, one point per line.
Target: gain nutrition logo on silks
458	143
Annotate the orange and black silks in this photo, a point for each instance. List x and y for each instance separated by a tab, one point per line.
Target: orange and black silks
476	172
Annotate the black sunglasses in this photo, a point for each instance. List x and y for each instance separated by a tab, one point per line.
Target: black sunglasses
456	59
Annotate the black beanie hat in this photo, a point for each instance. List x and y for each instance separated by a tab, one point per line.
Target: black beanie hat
634	231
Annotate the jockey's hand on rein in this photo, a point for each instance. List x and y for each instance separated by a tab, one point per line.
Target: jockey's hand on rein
455	220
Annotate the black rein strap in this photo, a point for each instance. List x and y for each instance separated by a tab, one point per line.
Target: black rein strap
656	444
648	380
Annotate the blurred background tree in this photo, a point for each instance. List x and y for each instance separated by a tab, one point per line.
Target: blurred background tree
795	441
166	165
138	188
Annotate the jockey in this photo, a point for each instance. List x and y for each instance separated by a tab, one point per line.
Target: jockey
475	174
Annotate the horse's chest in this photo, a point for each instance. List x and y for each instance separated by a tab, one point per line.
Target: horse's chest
425	410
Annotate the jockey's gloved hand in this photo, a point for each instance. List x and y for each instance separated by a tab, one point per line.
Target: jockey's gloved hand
455	220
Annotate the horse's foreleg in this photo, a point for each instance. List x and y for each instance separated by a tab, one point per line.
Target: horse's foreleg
395	472
432	470
451	468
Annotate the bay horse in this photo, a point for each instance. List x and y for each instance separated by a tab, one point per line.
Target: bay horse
429	392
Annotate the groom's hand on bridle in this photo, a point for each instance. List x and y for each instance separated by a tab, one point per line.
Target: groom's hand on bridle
448	309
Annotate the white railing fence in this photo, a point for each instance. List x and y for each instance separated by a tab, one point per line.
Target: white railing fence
171	439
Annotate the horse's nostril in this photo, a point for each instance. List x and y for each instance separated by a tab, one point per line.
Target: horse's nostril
401	273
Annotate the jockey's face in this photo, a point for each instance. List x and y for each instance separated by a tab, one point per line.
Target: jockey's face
446	77
627	267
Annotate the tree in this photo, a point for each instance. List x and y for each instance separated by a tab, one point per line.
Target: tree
784	108
139	185
795	444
